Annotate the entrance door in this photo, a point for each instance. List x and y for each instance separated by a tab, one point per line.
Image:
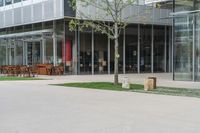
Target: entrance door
33	53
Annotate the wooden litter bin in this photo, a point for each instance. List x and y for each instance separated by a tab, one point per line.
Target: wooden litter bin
150	84
154	82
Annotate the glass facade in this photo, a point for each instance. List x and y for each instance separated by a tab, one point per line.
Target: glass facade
187	41
142	48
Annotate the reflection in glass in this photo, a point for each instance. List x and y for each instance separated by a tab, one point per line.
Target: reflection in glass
100	53
59	50
49	51
197	37
33	53
159	46
2	52
183	48
8	2
131	49
184	5
19	53
86	51
145	48
1	2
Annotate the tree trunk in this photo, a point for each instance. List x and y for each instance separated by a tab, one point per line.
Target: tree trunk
116	80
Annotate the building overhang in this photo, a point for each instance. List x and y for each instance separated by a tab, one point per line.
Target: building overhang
23	34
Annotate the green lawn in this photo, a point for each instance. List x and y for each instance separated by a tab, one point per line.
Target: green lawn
11	78
136	88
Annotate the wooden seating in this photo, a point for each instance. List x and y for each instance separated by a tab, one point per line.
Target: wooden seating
24	71
58	70
44	69
31	71
1	69
8	70
49	69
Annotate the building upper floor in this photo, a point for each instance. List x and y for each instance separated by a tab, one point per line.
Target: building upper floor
22	12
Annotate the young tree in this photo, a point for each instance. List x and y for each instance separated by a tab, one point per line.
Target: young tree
110	18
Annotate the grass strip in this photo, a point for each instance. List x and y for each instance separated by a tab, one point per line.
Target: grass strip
136	88
11	78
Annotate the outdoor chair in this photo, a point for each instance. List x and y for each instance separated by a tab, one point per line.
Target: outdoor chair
58	70
8	70
33	71
49	69
1	69
24	71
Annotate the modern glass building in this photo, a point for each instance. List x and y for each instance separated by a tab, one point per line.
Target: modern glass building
187	40
36	32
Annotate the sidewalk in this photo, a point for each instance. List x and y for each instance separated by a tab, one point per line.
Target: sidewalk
163	79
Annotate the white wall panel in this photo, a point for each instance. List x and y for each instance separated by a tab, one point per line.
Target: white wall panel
138	13
18	15
1	16
31	11
37	12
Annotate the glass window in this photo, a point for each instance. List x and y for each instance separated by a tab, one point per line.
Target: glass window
8	2
18	29
27	28
197	40
48	25
159	48
131	48
3	31
184	5
37	26
1	2
19	53
60	51
100	53
2	52
197	4
15	1
145	48
49	51
86	51
183	48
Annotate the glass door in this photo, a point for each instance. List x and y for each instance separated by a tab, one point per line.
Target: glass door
33	53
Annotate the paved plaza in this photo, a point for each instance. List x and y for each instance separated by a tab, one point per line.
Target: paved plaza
36	107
